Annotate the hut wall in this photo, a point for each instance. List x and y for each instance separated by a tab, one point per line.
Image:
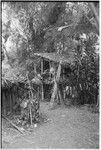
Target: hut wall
8	99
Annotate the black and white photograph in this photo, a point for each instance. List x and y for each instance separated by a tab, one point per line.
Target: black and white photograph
50	87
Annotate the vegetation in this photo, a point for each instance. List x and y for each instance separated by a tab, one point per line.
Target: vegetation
66	28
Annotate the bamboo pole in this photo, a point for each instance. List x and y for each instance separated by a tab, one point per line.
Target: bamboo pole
42	83
31	97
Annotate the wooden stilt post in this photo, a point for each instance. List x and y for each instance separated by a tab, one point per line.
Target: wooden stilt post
38	99
10	98
16	95
60	96
50	66
35	68
13	99
31	97
64	93
42	83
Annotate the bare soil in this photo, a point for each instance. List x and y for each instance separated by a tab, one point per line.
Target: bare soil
64	128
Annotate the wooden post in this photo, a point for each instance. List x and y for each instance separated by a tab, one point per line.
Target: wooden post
38	98
50	67
10	98
98	98
14	95
64	93
42	83
61	100
35	68
61	95
31	97
14	98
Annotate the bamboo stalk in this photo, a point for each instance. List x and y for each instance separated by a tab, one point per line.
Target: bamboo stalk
42	82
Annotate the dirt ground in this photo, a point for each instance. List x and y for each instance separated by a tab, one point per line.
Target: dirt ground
65	128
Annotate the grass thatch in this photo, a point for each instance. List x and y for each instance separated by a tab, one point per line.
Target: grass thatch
11	75
66	59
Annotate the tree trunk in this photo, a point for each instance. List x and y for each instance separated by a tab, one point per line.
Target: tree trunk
55	88
54	94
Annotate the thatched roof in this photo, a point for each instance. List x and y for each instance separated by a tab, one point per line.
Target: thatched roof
66	59
10	75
